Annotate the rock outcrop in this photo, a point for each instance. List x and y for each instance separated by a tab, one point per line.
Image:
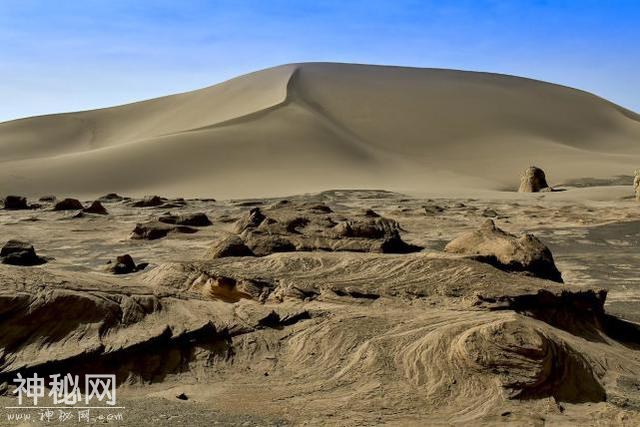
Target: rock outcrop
149	201
198	219
96	208
525	254
110	198
288	227
68	205
533	180
636	184
124	264
153	230
15	252
266	244
252	219
15	203
230	246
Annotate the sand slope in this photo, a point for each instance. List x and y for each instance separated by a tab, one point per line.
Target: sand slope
308	127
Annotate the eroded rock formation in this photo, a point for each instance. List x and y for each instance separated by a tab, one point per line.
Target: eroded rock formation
197	219
124	264
153	230
96	208
525	254
15	252
533	180
288	227
68	205
15	203
324	317
149	201
229	246
110	198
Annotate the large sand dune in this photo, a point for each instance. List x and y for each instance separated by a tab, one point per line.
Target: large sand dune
300	128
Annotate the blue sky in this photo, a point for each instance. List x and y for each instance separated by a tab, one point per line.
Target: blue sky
58	56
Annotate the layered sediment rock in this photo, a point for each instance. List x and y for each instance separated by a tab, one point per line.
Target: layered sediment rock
289	227
525	254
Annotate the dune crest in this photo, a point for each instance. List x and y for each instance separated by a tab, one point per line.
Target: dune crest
307	127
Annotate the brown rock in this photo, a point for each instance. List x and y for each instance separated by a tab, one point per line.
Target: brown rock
68	205
15	252
124	265
525	254
262	245
251	219
533	180
110	198
153	230
96	208
368	228
149	201
230	246
320	208
15	203
197	219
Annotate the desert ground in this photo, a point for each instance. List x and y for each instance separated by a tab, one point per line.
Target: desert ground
331	244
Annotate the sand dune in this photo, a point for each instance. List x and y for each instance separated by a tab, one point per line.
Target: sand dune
301	128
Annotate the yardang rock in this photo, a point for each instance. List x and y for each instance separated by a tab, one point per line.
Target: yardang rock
525	254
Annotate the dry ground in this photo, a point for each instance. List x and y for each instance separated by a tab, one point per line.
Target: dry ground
359	338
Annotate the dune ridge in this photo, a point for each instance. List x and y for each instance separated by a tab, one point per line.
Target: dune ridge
308	127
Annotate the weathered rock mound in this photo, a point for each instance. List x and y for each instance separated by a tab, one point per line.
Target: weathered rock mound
15	203
288	227
49	198
230	246
105	327
110	198
153	230
96	208
149	201
197	219
15	252
250	220
124	264
68	205
533	180
525	254
547	366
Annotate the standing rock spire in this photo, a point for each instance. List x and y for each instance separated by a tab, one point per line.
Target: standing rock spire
533	180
